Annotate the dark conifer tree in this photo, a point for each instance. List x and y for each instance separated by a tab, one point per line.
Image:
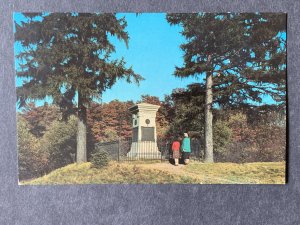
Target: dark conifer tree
68	56
242	56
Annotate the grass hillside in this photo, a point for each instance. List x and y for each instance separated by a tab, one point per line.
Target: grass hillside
163	173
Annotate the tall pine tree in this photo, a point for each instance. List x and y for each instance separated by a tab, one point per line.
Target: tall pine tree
242	56
68	56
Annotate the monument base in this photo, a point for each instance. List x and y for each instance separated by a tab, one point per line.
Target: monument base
144	150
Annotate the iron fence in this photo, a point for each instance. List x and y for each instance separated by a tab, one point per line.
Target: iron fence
125	149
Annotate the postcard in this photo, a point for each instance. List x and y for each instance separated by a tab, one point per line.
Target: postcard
151	98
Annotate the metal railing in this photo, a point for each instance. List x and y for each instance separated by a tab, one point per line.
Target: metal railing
124	149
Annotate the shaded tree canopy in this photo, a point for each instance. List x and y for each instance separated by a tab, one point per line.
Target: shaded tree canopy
185	110
247	54
63	53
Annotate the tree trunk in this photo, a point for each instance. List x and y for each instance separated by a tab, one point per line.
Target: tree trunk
81	132
209	155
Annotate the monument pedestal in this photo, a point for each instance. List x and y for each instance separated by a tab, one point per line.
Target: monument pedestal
144	144
144	150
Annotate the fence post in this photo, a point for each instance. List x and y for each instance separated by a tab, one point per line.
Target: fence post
119	149
161	156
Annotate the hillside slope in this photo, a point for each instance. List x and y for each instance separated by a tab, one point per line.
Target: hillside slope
163	173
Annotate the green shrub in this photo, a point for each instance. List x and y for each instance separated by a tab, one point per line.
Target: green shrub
222	134
59	142
30	159
100	159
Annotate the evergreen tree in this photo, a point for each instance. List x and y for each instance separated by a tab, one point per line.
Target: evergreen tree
186	111
68	56
242	57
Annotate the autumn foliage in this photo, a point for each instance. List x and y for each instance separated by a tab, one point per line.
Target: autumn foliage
110	121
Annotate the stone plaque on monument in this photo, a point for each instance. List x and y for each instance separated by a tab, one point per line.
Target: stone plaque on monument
148	134
144	141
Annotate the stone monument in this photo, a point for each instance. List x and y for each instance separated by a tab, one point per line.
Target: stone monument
144	141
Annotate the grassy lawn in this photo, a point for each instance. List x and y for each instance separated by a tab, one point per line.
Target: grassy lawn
233	173
155	172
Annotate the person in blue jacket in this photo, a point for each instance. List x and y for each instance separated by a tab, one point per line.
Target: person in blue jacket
186	148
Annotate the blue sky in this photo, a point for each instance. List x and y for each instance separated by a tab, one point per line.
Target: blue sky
153	53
